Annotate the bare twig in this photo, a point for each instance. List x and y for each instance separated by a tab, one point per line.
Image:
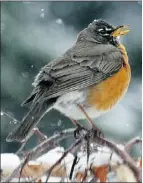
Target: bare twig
10	117
49	171
24	143
34	131
123	154
40	135
17	171
132	142
73	166
42	149
74	145
49	143
75	122
24	163
85	175
70	149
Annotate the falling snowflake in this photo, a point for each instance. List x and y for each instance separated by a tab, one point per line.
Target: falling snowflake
15	121
59	123
42	15
2	26
12	119
25	74
59	21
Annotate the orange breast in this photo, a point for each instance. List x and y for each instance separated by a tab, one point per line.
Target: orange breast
107	93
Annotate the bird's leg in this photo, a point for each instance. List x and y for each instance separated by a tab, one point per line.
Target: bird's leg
98	131
75	122
88	118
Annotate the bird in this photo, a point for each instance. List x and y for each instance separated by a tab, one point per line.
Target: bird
88	80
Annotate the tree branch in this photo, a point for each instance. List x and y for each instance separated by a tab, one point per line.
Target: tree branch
123	154
132	142
42	148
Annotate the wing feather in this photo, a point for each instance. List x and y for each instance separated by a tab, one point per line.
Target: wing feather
80	67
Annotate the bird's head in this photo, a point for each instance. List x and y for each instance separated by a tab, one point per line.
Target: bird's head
104	33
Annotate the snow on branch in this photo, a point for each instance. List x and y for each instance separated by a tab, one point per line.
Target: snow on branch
89	158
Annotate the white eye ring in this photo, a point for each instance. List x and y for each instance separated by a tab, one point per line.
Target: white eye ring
106	29
100	30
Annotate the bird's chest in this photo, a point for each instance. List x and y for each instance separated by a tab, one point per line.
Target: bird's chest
96	99
107	93
100	98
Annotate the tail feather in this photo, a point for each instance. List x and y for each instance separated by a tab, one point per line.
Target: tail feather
32	118
29	99
36	92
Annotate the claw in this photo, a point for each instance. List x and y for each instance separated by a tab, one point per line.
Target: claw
79	131
97	132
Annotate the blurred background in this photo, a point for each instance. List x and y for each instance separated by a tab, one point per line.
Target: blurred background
34	33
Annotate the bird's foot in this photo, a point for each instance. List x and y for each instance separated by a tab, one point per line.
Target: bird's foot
97	132
79	131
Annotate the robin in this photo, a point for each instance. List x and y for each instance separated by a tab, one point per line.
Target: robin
86	81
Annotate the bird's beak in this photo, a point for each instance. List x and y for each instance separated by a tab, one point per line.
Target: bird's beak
120	30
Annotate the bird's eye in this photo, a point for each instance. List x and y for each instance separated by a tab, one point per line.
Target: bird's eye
102	30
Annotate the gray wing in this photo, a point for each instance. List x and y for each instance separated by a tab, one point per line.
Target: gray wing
80	67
